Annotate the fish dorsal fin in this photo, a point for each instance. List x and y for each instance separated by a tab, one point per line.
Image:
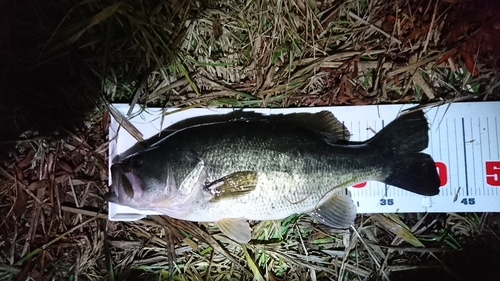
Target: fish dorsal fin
338	211
323	122
237	229
233	185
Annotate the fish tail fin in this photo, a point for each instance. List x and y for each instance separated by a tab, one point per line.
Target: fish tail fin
400	143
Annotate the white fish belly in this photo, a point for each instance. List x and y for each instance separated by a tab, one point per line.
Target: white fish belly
276	196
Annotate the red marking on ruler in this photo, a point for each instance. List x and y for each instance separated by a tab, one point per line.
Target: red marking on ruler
443	173
360	185
493	173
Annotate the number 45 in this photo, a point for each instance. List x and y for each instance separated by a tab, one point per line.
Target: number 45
468	201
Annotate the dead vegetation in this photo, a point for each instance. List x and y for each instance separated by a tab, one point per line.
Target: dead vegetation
242	54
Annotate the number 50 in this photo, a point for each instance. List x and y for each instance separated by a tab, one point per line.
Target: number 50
493	173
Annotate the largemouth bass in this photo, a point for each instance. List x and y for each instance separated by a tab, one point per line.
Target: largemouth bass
270	167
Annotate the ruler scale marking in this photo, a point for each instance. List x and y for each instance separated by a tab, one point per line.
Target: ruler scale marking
489	146
472	155
479	156
465	159
489	139
497	138
490	142
497	127
373	192
483	188
431	141
440	141
448	145
386	187
471	143
456	188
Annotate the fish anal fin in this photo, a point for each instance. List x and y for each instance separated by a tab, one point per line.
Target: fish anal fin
338	211
233	185
237	229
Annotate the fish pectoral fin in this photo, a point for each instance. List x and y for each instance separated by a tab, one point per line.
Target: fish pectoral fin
237	229
233	185
338	211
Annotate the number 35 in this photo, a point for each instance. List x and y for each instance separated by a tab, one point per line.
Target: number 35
385	202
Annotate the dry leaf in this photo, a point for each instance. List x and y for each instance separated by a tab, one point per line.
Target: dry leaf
21	202
217	27
38	184
26	162
398	229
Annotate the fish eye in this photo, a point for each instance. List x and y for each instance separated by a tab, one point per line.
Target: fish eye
136	161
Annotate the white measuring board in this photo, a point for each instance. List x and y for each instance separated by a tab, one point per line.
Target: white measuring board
464	142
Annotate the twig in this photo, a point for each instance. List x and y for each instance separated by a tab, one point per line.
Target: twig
84	212
377	263
412	249
127	125
376	28
430	28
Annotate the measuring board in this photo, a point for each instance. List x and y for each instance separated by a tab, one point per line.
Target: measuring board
464	142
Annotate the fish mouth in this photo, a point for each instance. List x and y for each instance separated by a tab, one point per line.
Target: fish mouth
126	185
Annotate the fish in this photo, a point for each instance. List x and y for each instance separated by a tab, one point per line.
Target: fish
256	167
